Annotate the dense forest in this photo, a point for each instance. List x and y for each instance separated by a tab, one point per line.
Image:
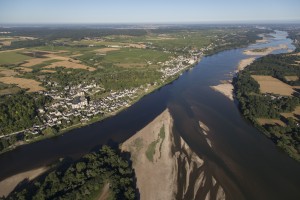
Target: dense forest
19	111
254	104
83	179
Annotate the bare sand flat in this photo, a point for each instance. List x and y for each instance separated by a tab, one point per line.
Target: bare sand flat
269	84
264	51
224	88
30	84
153	183
8	184
245	62
175	168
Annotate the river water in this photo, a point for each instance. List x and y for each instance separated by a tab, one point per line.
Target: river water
244	161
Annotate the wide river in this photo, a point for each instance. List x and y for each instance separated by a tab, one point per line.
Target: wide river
244	161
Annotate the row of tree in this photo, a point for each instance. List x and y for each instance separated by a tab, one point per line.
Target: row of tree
19	111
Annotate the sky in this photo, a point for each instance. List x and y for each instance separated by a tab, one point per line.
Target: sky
150	11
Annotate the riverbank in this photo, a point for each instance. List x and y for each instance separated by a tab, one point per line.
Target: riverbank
100	118
226	87
264	51
7	185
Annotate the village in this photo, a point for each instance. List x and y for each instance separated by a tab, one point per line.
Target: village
76	105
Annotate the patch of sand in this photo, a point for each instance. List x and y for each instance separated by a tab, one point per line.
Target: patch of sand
269	84
291	78
105	192
155	184
30	84
8	184
265	51
175	170
245	62
203	126
225	88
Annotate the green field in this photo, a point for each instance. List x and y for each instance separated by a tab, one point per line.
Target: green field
135	56
12	57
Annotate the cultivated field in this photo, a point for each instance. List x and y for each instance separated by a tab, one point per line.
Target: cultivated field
24	69
7	72
48	71
105	50
30	84
12	57
12	90
135	57
69	64
295	114
291	78
269	84
264	121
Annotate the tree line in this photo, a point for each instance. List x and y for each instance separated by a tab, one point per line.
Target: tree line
83	179
254	104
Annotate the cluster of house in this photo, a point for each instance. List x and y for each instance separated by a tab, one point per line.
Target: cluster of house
73	102
178	65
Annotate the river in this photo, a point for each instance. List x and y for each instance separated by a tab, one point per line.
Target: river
244	161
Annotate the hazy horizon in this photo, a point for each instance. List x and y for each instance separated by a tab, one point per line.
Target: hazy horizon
151	12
